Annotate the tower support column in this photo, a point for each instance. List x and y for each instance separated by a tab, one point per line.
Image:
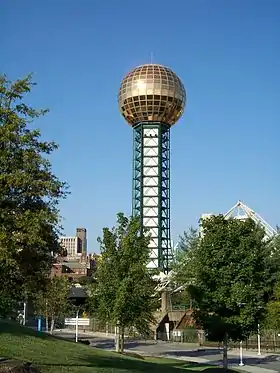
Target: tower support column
151	188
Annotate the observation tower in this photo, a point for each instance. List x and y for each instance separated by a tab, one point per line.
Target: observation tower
152	99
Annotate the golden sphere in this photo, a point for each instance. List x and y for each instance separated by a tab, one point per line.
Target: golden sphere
151	93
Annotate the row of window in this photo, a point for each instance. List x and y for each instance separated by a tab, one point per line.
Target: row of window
166	111
152	86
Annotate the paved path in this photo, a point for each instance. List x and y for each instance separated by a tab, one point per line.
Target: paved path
266	363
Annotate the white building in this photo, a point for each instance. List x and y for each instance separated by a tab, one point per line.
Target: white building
71	244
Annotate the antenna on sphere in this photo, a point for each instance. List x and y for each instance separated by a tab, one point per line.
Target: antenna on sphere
152	57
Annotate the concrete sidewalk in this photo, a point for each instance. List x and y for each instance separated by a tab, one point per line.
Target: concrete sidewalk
184	347
86	333
198	360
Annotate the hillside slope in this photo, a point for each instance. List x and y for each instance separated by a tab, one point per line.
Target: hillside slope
55	355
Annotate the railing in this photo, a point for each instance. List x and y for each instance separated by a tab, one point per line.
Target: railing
270	340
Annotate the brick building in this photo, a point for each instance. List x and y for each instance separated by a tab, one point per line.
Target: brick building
80	267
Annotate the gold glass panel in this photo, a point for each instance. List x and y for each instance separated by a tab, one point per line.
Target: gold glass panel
152	93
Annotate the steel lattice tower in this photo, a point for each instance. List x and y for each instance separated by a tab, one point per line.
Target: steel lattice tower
152	98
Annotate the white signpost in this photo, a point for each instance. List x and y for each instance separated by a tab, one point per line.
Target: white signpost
78	321
72	321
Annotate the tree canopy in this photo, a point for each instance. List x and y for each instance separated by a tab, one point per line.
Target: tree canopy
272	320
232	277
182	271
273	310
29	194
182	267
53	302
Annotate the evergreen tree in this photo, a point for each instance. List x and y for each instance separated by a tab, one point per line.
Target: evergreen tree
182	271
182	267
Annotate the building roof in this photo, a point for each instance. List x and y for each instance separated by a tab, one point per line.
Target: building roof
75	265
77	292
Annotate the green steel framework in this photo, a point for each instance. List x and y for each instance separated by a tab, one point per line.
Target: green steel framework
159	153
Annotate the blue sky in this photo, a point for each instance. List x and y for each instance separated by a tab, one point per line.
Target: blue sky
224	148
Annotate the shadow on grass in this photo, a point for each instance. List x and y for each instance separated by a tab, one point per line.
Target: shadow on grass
129	364
138	366
110	344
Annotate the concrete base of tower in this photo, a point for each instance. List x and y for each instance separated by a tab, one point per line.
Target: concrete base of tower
166	318
165	301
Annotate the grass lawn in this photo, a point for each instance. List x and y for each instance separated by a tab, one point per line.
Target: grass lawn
54	355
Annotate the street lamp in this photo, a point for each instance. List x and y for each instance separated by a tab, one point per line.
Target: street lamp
24	313
241	364
241	345
77	297
259	341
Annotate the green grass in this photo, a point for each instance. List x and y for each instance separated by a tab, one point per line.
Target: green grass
55	355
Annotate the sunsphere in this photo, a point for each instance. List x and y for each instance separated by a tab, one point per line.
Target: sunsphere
152	93
151	99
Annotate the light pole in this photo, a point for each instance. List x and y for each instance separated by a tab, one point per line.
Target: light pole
77	297
77	325
241	364
24	313
241	346
259	341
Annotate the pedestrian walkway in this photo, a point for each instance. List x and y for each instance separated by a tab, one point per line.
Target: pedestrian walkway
199	360
87	333
186	348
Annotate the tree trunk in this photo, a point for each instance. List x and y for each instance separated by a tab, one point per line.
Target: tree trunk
225	350
201	337
47	323
47	317
117	339
122	339
274	341
52	325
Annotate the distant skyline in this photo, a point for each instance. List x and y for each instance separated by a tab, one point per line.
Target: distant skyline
224	148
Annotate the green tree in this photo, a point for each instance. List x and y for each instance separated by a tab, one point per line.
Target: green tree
53	303
232	278
188	240
273	311
272	319
274	260
29	195
182	267
124	291
182	271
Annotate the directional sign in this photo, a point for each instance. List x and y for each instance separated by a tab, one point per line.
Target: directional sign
72	321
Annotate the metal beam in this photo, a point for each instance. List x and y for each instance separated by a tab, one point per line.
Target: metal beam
151	189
